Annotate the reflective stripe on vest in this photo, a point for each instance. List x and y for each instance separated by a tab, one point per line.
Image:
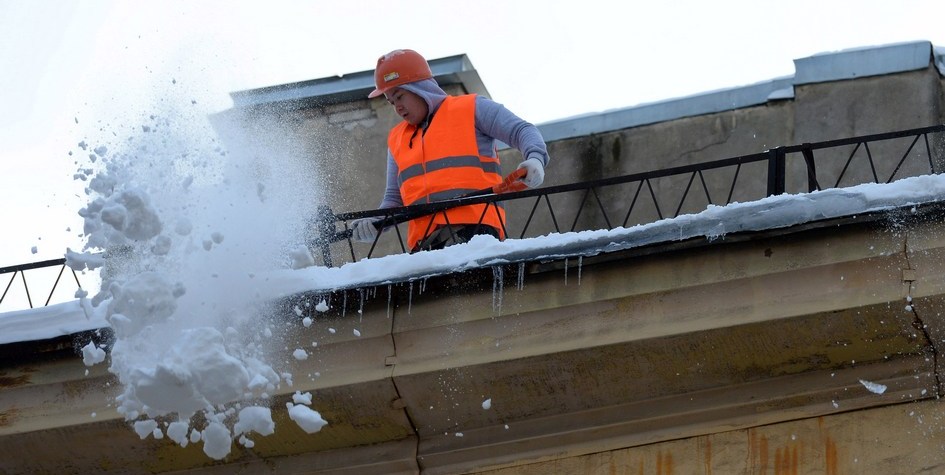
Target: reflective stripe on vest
444	163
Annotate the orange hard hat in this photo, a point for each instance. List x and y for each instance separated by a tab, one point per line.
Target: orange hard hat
399	67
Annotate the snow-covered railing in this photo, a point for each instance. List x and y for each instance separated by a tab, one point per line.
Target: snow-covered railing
21	269
620	201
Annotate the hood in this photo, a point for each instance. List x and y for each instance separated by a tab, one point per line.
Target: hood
429	91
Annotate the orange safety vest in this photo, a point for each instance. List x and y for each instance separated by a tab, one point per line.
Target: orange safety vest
442	164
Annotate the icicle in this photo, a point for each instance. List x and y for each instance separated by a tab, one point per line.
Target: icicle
580	262
409	297
497	287
423	285
361	305
565	271
344	303
521	276
388	299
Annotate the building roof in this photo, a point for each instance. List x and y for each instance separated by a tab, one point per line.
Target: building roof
355	86
458	69
824	67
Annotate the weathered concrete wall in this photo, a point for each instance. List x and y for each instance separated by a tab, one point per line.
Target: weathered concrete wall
748	350
872	105
819	112
659	146
901	439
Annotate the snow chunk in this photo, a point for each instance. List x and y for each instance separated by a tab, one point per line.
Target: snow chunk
302	398
300	354
145	428
162	245
216	441
487	404
310	421
83	260
134	215
194	372
300	258
183	226
177	431
875	388
146	299
255	419
92	355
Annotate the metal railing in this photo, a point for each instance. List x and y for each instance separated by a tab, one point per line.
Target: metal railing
619	201
21	271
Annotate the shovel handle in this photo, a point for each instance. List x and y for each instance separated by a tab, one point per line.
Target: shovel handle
511	183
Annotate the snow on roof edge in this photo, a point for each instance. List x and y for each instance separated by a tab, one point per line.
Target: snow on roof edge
715	222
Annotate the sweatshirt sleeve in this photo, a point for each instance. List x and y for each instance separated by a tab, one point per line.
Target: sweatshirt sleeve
497	122
392	198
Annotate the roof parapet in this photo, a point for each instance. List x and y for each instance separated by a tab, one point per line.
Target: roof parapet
823	67
447	71
863	62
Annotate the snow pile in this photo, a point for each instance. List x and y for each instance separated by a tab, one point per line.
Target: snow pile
180	228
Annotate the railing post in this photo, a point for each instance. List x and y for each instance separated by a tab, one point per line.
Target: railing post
324	227
812	184
776	171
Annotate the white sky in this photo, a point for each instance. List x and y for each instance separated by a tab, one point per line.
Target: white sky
97	61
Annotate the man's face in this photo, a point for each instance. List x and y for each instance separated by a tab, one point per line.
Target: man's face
408	105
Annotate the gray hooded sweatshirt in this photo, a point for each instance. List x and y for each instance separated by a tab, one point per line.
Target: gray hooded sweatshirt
493	122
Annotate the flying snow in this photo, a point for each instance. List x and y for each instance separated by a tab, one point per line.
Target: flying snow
185	228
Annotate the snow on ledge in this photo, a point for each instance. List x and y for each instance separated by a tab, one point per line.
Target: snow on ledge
44	323
715	222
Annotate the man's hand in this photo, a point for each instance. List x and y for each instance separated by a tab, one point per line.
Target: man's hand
534	172
364	229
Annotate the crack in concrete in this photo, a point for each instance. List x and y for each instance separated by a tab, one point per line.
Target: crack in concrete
413	425
920	325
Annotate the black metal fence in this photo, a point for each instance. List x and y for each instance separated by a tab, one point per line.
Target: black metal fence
21	271
646	197
638	198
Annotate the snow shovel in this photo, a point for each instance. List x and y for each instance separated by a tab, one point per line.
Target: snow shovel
511	183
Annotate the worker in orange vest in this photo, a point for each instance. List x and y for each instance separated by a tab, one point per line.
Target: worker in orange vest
445	148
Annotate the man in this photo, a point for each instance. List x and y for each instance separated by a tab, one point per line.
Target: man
444	148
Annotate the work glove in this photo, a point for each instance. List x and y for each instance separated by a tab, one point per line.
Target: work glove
534	172
364	229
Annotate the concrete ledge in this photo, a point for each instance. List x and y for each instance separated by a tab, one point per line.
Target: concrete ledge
639	350
675	417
